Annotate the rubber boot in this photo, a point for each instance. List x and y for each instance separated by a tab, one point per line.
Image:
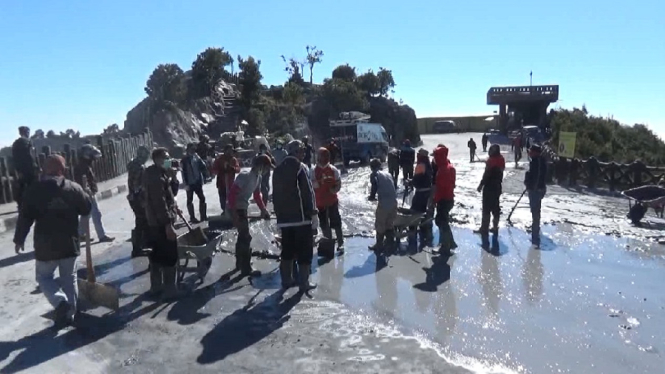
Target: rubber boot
305	284
192	216
246	269
286	273
390	243
340	239
156	280
203	211
170	283
379	242
137	243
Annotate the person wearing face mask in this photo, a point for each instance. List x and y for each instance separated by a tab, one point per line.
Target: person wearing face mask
136	198
247	183
194	175
162	213
327	182
279	153
265	178
54	204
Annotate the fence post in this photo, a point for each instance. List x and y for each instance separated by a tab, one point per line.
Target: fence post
7	195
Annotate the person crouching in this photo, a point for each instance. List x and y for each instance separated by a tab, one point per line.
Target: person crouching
386	209
295	207
327	182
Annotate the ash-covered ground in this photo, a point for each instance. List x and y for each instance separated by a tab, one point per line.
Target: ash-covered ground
588	301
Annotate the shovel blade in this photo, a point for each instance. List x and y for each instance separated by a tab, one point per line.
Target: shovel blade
99	294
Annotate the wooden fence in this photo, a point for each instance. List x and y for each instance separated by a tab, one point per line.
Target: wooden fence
116	154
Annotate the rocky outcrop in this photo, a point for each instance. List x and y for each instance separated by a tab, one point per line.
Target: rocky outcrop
400	121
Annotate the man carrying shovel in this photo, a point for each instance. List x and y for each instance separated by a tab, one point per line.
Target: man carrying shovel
54	204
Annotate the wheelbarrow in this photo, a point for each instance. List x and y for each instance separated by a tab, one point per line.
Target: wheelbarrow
407	218
198	247
640	199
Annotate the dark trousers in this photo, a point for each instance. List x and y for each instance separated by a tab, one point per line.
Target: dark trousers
407	171
419	204
329	219
24	181
222	198
265	187
141	229
164	251
442	220
472	154
484	146
298	244
394	172
535	202
198	190
244	242
491	207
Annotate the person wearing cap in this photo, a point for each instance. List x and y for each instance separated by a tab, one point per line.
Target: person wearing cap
24	162
534	181
472	149
136	198
491	187
295	209
444	198
162	213
407	157
83	170
225	167
327	181
194	176
246	184
265	178
54	204
383	190
422	183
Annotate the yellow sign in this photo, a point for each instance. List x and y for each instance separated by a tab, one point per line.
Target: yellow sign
567	144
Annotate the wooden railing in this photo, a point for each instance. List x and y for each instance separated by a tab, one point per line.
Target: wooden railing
116	154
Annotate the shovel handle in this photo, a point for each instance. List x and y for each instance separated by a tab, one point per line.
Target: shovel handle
189	227
90	269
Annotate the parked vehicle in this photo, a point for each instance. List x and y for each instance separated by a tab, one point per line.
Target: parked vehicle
360	140
444	127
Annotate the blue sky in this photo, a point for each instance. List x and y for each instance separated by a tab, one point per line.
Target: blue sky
83	64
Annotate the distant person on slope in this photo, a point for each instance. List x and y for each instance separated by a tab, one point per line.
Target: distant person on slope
194	175
54	205
89	154
444	198
393	164
383	187
472	149
225	167
24	163
407	157
327	182
491	187
534	181
136	198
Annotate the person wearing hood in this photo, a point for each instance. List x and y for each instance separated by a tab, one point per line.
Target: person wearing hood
88	154
422	183
327	182
407	157
225	167
279	153
54	205
383	187
472	149
136	198
246	185
162	213
295	209
490	186
393	164
444	198
24	162
534	181
194	175
265	178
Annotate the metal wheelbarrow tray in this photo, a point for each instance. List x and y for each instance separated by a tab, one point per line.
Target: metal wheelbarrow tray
192	246
645	197
405	219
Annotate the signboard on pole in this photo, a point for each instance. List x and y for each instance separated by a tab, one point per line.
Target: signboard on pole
567	144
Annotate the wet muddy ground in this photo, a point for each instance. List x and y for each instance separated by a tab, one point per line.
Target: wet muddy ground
589	301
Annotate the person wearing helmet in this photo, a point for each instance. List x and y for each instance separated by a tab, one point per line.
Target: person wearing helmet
295	210
383	190
444	198
491	188
327	181
472	149
246	184
407	157
136	198
307	158
83	170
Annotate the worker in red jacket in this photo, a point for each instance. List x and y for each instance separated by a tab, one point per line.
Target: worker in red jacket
327	182
444	198
225	167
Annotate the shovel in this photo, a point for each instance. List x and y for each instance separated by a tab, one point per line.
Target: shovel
517	202
96	293
198	236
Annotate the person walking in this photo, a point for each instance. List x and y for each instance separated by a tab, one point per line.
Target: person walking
265	178
88	154
393	164
517	148
327	181
247	183
24	163
225	167
194	175
444	198
295	207
472	149
161	213
136	198
534	181
484	140
491	187
407	157
54	205
383	188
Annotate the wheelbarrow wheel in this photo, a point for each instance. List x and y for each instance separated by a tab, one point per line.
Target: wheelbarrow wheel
636	213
